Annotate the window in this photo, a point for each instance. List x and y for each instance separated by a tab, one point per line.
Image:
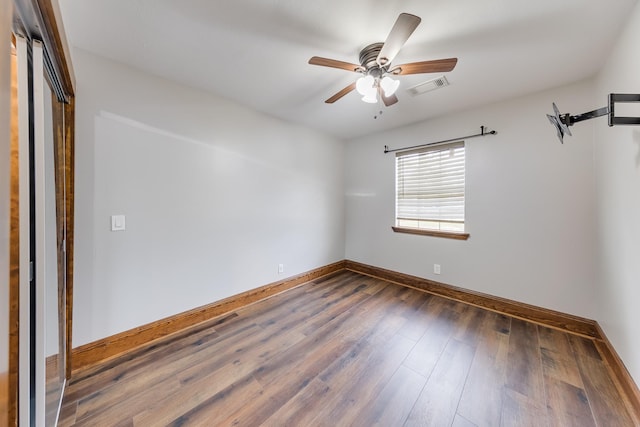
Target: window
430	191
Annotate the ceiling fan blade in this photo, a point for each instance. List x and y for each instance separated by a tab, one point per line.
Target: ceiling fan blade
342	93
402	29
326	62
435	66
387	100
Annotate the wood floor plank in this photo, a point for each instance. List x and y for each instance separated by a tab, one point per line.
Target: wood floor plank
124	410
380	349
420	319
107	374
460	421
524	365
301	295
375	286
137	381
519	410
558	359
309	400
568	405
346	330
286	384
362	381
487	374
201	381
392	406
286	314
470	322
426	353
68	414
606	403
331	310
438	401
351	364
209	413
291	373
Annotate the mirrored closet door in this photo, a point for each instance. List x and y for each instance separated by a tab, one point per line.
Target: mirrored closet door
41	240
41	218
42	265
50	257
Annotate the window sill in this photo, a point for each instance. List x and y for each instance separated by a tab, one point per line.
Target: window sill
434	233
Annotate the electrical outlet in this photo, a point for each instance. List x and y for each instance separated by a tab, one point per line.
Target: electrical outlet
280	268
436	268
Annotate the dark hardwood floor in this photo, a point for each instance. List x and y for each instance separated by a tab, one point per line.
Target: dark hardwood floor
353	350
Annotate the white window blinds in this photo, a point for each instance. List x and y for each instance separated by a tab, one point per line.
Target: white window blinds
430	188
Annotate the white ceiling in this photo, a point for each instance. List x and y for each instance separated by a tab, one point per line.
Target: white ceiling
255	52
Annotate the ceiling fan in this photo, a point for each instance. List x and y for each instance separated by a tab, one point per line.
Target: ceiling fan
375	65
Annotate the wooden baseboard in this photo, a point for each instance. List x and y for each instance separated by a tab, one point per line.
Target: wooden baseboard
89	355
546	317
619	372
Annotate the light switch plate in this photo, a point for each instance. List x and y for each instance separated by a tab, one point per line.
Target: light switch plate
117	223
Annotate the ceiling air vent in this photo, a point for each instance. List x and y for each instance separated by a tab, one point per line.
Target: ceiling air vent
428	86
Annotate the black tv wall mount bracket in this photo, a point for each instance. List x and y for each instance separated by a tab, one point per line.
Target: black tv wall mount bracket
562	121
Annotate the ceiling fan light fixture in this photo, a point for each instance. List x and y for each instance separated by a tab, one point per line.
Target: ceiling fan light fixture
370	98
364	85
389	86
372	95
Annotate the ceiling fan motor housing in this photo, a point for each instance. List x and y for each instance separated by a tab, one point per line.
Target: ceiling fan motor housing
368	59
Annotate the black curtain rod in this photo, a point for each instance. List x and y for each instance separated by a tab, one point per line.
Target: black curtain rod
483	132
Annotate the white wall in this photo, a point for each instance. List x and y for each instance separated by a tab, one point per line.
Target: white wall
215	197
529	204
617	152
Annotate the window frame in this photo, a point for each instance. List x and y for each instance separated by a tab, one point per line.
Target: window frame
451	234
